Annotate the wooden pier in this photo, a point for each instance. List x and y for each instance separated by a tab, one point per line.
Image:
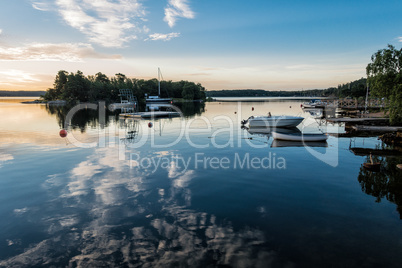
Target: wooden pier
380	129
153	114
360	120
355	103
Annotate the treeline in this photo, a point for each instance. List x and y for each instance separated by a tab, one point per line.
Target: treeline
354	89
77	87
21	93
385	79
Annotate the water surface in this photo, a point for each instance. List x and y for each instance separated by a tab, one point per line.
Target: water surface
195	191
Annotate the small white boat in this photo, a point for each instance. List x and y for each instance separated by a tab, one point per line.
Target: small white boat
274	121
299	136
314	104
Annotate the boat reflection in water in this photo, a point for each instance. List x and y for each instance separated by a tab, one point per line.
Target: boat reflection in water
282	143
314	112
291	132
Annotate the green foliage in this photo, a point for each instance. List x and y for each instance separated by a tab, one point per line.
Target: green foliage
355	89
352	89
77	87
385	79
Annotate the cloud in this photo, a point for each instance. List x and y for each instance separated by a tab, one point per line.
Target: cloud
177	9
42	6
1	31
109	23
164	37
399	38
71	52
10	77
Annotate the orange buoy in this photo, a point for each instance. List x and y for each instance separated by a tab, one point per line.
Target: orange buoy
63	133
150	124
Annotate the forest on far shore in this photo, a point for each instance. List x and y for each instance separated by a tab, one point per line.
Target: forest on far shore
354	89
21	93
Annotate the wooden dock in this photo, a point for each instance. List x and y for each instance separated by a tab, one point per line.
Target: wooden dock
358	120
348	103
381	152
381	129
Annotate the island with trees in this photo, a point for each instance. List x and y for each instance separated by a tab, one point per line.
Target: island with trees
78	87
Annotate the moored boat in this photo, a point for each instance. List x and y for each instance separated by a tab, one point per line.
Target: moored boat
314	104
274	121
372	166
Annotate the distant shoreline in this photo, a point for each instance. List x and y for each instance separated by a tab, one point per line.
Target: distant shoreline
262	99
21	93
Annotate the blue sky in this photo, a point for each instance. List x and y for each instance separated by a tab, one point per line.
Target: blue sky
223	44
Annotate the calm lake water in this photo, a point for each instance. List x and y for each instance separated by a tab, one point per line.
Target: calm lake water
196	191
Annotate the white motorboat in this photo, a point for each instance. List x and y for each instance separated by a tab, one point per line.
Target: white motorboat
314	104
274	121
304	137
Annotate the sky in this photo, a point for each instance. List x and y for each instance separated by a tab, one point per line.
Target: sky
222	44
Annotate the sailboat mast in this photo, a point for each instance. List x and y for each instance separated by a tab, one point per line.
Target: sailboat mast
159	82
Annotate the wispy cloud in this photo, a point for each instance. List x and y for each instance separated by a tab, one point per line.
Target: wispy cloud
399	38
109	23
1	31
164	37
177	9
42	6
70	52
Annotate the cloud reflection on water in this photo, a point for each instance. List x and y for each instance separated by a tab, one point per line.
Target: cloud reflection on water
108	214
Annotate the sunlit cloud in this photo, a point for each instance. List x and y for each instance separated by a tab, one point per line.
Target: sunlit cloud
9	77
1	31
107	23
177	9
163	37
69	52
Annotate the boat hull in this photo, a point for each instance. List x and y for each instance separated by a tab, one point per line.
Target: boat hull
372	166
158	100
299	137
275	121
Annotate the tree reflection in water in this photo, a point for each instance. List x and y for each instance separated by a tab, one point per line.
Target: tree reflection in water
90	118
386	183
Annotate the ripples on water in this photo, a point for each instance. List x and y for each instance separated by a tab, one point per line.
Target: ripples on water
132	201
